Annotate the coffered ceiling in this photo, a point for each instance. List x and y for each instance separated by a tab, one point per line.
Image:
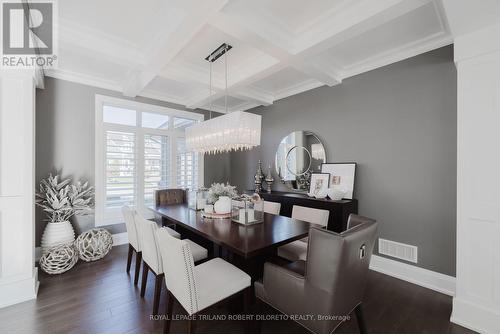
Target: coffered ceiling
156	48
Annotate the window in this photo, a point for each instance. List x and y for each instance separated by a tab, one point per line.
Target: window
140	148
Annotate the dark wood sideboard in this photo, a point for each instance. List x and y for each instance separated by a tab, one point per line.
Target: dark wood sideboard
339	210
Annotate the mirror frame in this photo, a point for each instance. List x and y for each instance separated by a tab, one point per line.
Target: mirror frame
307	172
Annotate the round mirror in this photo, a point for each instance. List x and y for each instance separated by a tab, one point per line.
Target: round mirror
299	154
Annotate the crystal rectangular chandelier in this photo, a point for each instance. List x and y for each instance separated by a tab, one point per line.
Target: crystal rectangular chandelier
235	131
232	131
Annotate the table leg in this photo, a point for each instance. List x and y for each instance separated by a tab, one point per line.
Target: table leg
216	250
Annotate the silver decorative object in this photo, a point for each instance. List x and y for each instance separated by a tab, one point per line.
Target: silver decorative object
94	244
59	259
259	177
269	180
247	209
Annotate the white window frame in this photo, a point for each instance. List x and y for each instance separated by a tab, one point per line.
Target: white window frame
112	217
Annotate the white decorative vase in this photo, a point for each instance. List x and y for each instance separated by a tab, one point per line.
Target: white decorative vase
223	205
59	233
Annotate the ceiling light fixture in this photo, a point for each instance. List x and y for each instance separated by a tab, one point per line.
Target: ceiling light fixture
233	131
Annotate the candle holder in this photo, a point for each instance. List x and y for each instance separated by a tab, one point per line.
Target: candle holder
247	210
197	199
269	180
259	177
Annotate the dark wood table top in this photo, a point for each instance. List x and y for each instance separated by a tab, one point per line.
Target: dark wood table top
246	241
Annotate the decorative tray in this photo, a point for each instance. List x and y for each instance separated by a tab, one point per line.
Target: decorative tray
215	215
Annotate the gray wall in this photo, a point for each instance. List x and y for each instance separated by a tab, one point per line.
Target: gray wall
65	140
399	124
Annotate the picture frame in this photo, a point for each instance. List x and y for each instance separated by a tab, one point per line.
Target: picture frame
319	185
342	176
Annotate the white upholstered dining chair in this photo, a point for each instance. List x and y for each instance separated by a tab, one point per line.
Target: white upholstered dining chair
196	287
297	250
134	240
151	257
272	207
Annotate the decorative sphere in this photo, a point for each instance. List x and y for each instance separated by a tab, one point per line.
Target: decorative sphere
94	244
59	259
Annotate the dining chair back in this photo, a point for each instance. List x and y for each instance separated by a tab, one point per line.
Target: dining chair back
178	265
311	215
297	250
170	196
272	207
334	280
134	242
150	250
130	225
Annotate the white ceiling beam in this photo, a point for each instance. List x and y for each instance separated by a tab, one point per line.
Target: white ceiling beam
181	73
255	95
202	99
170	44
231	25
356	18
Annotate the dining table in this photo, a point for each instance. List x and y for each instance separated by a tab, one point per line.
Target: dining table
247	246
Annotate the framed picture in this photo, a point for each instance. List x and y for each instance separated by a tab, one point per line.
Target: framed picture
319	184
341	176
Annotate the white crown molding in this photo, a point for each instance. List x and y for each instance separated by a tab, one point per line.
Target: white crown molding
416	275
83	79
162	96
398	54
95	43
297	88
93	81
355	19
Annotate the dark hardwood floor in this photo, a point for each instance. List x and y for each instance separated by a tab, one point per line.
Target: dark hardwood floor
100	297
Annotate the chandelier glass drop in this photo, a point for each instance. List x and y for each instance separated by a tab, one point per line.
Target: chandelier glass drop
233	131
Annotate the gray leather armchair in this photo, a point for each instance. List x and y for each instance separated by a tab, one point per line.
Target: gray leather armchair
330	284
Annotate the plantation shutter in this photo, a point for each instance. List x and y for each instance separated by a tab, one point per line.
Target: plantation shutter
120	169
156	166
187	166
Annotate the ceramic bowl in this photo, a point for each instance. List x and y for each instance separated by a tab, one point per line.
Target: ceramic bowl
336	194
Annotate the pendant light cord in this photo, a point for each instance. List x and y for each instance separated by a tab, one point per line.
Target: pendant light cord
225	90
210	94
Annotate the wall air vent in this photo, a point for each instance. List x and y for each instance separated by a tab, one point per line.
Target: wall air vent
398	250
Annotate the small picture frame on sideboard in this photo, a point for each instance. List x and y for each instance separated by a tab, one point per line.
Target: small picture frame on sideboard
342	176
319	185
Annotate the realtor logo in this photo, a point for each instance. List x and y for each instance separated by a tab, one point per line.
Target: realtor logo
28	34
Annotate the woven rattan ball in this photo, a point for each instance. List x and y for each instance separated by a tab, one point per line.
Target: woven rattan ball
59	259
94	244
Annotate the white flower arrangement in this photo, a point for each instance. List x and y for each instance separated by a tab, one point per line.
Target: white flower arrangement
61	200
220	189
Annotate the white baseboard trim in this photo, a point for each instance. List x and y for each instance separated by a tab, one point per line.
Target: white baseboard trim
120	239
19	291
419	276
475	317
